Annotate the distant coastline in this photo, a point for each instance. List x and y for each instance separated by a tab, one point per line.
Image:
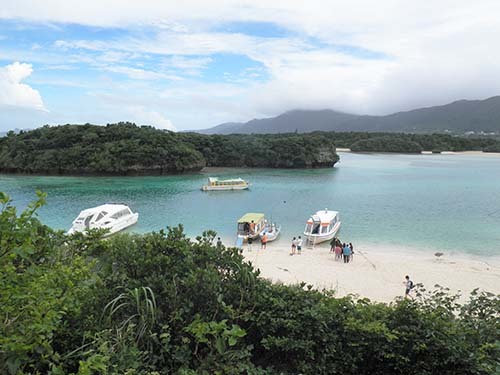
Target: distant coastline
471	153
125	149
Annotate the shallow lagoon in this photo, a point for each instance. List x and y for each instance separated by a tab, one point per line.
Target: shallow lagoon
434	202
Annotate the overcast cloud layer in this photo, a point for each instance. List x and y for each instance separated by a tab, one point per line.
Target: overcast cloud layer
194	64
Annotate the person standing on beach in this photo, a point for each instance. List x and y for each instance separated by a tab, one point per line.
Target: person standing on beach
338	252
252	227
352	251
263	241
249	243
408	286
299	245
294	246
219	242
347	253
333	243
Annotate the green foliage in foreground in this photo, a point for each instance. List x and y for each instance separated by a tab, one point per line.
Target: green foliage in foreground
160	303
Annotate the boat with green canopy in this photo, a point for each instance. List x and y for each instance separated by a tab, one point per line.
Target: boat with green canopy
250	225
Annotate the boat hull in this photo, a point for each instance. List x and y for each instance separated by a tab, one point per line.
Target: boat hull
116	227
223	188
322	237
271	236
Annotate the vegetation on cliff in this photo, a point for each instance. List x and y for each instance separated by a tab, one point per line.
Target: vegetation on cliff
161	303
386	144
289	150
404	142
125	148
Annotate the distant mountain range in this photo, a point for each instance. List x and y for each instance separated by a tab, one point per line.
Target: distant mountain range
458	117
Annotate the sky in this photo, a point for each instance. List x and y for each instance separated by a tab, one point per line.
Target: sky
196	63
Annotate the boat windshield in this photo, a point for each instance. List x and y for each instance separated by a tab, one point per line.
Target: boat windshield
101	215
87	220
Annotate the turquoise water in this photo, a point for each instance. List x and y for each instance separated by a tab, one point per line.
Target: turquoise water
442	202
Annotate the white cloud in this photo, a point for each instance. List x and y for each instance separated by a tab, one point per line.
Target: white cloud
13	92
144	116
139	74
434	52
192	66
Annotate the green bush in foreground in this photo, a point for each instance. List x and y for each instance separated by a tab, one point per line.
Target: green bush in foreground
161	303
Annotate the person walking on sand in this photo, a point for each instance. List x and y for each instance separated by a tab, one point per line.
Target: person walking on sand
408	286
263	241
294	246
346	252
299	245
352	251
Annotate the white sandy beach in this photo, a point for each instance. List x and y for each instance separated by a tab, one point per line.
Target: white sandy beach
376	273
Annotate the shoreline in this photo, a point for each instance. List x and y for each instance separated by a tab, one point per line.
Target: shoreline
469	153
377	272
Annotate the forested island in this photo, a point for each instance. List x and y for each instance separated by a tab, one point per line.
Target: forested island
412	143
128	149
160	303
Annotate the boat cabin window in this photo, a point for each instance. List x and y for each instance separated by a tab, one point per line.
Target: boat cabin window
120	214
316	228
243	228
308	228
324	229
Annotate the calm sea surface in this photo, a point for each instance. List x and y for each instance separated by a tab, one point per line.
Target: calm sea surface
438	202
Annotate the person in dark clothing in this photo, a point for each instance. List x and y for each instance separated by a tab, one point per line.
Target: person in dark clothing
408	286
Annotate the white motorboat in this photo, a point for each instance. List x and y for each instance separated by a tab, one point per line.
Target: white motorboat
113	217
214	184
272	231
322	226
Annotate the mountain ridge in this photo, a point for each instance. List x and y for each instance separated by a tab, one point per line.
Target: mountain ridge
459	117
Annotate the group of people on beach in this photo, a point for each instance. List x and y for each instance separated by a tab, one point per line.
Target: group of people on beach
296	246
263	242
343	251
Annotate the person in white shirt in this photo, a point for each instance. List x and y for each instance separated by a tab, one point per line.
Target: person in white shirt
299	245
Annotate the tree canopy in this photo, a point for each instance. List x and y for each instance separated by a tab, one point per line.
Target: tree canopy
127	149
